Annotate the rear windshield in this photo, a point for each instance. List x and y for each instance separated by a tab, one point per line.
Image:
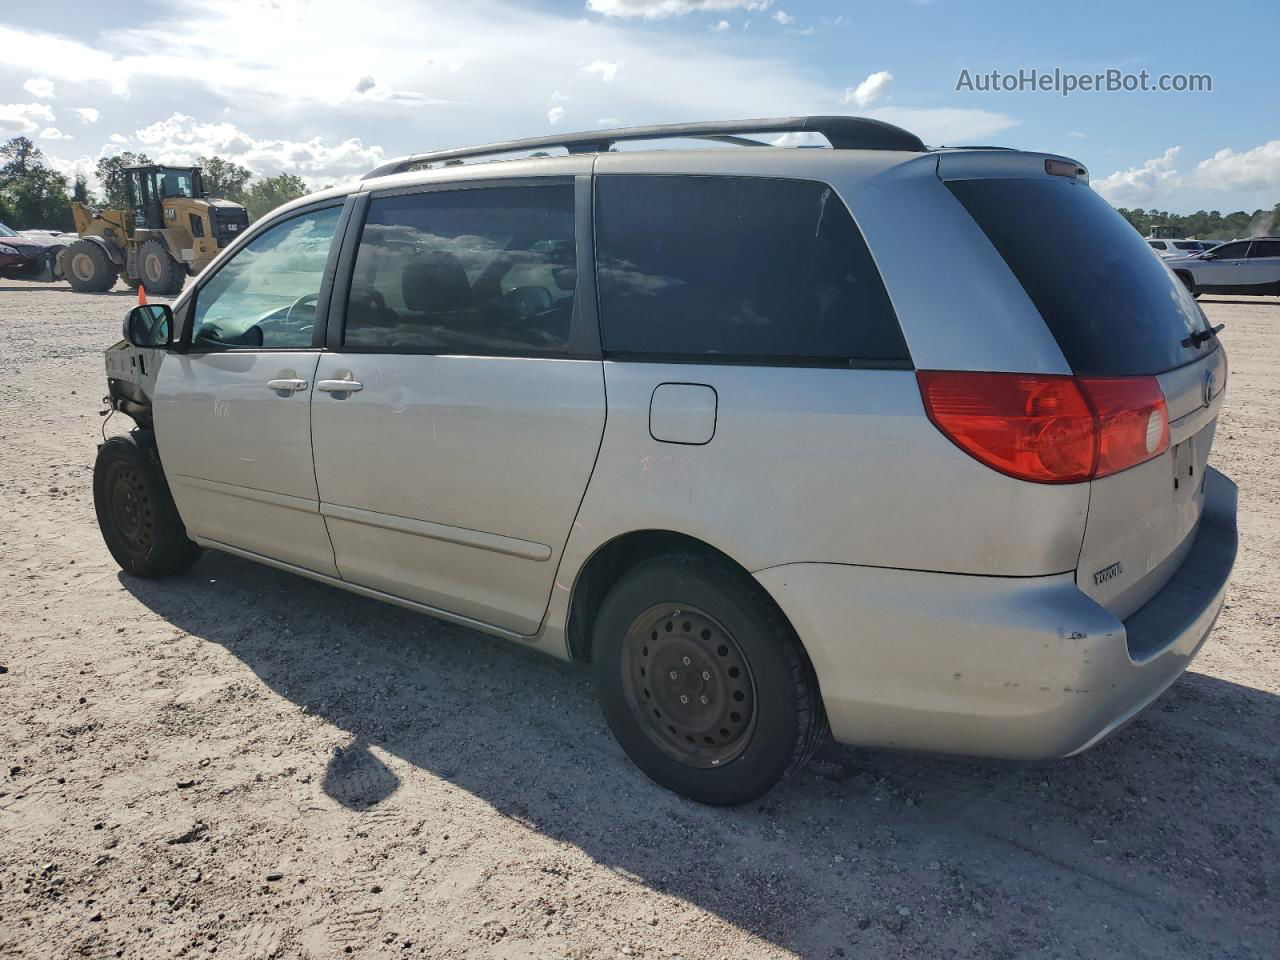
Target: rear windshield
1114	309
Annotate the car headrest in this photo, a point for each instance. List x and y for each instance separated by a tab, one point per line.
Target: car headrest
434	282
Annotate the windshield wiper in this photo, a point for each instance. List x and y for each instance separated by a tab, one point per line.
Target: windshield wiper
1198	338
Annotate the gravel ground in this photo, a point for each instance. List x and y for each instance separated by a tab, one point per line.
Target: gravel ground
244	763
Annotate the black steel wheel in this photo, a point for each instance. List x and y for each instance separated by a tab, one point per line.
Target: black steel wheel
702	681
130	507
136	514
688	683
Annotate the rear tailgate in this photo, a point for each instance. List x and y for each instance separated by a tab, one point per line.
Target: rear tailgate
1142	521
1116	312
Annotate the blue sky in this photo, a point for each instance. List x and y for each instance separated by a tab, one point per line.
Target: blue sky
326	88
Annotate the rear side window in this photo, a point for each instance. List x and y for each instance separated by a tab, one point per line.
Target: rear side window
487	271
738	269
1264	248
1114	309
1232	251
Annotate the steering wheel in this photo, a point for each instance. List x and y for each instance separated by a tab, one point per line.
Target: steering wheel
313	298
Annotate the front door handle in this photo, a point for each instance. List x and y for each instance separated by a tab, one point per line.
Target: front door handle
287	386
339	386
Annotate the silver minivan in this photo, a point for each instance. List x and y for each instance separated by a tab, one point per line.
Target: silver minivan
775	438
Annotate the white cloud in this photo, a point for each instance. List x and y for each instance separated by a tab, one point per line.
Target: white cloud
62	57
720	26
555	115
558	97
87	114
23	118
784	18
657	9
1077	134
40	87
481	69
608	122
1254	169
1157	181
1139	185
945	125
53	133
180	139
365	84
874	88
606	70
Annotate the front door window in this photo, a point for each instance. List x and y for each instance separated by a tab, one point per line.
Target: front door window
266	295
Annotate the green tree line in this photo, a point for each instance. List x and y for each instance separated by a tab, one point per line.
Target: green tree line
34	196
1207	224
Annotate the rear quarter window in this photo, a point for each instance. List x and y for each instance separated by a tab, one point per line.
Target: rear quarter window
725	269
1114	309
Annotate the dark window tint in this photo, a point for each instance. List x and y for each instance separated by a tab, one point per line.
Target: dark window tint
738	268
1187	245
1158	244
1232	251
482	271
1264	248
1114	309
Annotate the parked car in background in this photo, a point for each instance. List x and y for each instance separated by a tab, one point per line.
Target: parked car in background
31	255
1249	267
770	437
1179	248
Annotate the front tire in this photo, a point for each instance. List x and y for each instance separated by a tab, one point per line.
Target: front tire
159	272
702	682
136	514
88	268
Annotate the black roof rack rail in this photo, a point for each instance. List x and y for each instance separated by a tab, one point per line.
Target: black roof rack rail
844	133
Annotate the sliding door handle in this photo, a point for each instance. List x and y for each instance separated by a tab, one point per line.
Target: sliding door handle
287	386
339	386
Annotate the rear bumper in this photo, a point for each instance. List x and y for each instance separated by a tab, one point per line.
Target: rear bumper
1020	668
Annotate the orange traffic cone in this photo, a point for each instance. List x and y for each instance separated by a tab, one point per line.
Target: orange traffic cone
142	294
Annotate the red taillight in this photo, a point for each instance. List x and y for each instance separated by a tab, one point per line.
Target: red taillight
1133	420
1048	428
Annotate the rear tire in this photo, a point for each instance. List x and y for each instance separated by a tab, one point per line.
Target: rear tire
158	271
702	681
88	268
136	514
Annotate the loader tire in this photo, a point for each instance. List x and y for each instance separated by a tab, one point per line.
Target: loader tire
88	268
159	272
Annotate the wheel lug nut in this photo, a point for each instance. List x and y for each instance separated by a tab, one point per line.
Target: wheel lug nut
674	675
686	661
703	698
684	698
706	675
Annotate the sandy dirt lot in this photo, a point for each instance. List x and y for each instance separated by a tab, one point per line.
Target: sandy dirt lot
246	764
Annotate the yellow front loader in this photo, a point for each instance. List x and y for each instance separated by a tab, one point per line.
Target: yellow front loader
171	230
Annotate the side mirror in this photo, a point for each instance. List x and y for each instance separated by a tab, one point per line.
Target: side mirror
149	325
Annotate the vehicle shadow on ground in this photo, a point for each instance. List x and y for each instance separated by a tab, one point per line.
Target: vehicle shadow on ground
822	863
1252	302
64	288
